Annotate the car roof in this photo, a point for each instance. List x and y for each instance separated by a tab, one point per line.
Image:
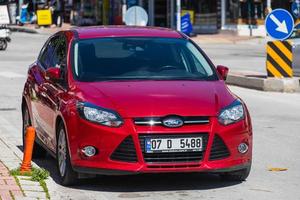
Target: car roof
125	31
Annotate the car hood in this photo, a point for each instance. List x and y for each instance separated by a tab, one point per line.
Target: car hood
159	98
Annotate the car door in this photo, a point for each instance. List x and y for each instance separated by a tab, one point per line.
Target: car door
53	90
39	110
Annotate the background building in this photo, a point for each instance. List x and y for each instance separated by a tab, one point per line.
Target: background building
207	16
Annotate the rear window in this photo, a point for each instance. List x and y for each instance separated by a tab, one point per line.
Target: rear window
139	58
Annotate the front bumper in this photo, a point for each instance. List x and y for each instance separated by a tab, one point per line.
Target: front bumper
87	170
108	140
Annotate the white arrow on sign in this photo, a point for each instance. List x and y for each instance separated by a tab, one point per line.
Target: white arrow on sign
281	26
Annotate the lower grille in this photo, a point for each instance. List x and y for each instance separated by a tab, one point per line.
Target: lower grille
219	150
126	151
173	157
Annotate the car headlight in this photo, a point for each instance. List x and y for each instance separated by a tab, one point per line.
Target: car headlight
232	113
99	115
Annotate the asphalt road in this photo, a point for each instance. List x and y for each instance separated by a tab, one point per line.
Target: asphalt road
248	55
276	123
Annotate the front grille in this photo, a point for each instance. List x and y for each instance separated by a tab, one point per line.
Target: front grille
172	166
125	152
158	121
173	157
219	150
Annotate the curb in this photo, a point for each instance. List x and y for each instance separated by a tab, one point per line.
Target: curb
288	85
22	29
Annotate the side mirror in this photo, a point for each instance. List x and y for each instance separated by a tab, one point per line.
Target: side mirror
53	73
223	71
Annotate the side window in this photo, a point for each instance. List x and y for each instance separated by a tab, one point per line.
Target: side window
47	54
60	58
60	53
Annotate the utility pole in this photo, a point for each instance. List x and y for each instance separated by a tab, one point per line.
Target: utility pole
178	14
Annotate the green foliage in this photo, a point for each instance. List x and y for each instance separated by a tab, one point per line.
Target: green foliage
37	174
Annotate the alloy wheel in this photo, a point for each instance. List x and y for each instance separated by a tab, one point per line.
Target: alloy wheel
62	152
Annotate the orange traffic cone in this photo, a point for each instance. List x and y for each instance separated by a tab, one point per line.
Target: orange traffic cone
27	156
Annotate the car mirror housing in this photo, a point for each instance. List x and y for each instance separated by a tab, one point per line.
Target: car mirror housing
53	73
223	71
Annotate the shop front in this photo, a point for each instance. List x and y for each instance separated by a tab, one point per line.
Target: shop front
240	14
96	12
206	14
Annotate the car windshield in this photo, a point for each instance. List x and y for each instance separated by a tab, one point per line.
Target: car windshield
139	58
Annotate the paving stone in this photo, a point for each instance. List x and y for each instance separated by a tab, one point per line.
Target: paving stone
35	194
32	188
25	198
5	195
27	182
24	177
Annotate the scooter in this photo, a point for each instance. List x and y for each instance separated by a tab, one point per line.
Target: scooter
4	37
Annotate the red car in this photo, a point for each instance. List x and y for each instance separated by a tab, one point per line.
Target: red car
129	100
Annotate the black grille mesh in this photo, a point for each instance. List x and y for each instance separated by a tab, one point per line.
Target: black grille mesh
176	156
126	151
219	150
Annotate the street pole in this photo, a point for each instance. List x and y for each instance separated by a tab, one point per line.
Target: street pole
124	10
20	7
269	4
249	17
178	7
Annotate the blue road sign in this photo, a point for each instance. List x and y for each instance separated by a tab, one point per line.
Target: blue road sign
186	24
296	8
280	24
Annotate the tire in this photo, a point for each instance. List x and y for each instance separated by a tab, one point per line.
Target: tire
3	44
38	150
66	173
239	176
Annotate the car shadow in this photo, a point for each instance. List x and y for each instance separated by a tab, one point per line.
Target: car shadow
142	182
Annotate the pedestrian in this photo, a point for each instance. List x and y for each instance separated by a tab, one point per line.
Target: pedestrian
58	7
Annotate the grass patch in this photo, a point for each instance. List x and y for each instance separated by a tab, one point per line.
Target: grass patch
36	174
44	186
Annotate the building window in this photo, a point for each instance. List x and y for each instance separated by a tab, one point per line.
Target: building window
205	14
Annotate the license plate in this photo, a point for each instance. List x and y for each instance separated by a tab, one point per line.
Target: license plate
164	145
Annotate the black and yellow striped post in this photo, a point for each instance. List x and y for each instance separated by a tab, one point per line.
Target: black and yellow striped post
280	59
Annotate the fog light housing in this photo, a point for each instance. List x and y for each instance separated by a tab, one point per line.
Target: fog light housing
243	148
89	151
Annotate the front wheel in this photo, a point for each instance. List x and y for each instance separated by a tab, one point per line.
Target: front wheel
3	44
66	173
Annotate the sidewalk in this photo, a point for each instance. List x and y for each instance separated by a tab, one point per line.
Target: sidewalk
9	189
223	37
10	158
34	29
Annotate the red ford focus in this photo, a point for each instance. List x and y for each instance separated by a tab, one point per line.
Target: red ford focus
119	100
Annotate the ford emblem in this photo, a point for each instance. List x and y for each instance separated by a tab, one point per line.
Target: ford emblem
172	122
